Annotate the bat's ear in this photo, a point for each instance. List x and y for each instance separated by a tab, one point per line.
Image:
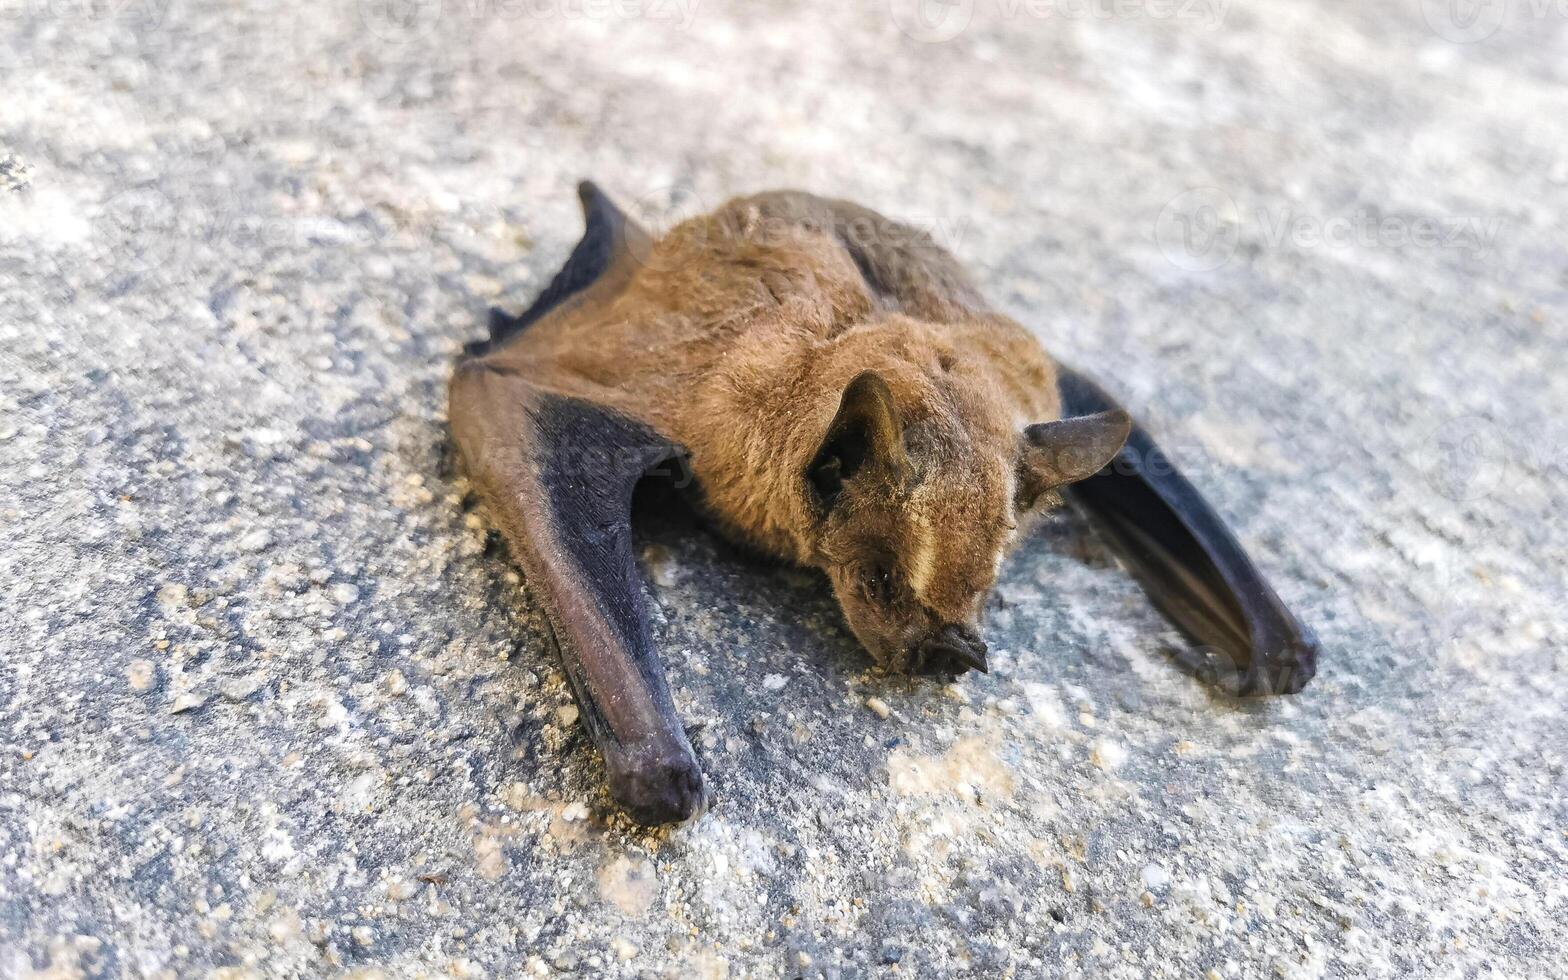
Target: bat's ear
1066	451
867	432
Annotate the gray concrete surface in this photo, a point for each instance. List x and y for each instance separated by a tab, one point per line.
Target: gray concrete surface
267	707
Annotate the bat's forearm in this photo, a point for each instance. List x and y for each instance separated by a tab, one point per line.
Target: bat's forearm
557	476
609	660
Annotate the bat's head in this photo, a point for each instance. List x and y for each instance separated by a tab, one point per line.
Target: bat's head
917	499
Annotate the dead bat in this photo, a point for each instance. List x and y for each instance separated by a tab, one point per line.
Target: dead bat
844	400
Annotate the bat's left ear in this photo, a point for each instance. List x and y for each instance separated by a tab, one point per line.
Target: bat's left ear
1066	451
867	433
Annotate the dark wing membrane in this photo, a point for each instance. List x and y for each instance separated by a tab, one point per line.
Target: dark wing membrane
557	476
606	231
1189	562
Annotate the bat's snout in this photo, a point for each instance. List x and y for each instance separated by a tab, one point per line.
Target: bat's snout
952	649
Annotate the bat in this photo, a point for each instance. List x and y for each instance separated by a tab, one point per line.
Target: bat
842	398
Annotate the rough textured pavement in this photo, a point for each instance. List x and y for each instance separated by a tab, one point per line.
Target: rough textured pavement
268	706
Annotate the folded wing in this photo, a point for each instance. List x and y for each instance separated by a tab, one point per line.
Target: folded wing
1189	562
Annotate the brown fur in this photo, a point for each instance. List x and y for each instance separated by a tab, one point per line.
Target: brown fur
737	334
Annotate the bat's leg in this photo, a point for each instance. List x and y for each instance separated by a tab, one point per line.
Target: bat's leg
558	475
1189	562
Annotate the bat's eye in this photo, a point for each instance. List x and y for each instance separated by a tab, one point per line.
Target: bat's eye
878	582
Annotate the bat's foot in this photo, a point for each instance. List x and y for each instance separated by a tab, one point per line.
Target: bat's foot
657	786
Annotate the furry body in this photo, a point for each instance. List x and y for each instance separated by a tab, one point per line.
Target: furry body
736	334
847	402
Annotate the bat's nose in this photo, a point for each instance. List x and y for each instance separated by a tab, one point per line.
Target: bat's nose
952	649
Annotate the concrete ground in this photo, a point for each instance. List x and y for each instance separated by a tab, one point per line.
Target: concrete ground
267	706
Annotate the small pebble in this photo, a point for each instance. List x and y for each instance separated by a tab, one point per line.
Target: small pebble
256	540
1106	754
395	683
140	674
243	687
187	702
1155	877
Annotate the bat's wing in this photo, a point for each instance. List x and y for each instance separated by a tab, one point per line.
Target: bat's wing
557	474
598	265
1189	562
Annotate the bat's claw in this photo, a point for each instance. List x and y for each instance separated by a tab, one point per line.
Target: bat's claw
659	787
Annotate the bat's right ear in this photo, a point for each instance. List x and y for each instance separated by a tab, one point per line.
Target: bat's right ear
1066	451
866	431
